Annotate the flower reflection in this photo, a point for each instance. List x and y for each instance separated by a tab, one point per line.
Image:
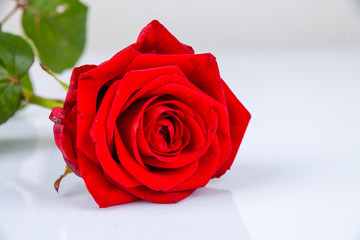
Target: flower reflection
207	214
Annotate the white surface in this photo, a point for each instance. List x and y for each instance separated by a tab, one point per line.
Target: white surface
296	175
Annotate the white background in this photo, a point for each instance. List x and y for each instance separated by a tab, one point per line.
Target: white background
294	64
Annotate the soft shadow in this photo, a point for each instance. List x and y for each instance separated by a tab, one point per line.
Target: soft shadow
16	146
71	187
206	214
251	174
17	135
20	148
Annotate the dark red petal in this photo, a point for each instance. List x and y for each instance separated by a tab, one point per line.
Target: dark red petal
104	192
156	180
64	125
155	38
154	116
128	125
130	85
89	86
203	72
172	160
173	85
190	153
98	135
173	104
63	139
239	118
194	98
207	167
153	112
73	86
132	82
200	69
159	197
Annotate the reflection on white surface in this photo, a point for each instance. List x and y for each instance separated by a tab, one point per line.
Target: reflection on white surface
38	214
208	214
31	209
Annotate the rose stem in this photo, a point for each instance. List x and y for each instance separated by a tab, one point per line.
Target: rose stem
17	6
48	70
30	97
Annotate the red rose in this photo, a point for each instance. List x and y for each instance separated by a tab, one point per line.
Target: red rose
155	122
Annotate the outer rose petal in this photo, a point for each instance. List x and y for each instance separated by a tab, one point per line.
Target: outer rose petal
158	197
104	193
112	168
88	89
239	120
64	127
63	139
155	38
200	69
75	78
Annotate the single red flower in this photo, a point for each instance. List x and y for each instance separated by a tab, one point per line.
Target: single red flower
155	122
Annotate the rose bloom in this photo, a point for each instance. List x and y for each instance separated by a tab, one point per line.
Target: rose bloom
155	122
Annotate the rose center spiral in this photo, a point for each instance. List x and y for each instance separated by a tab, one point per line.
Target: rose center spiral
164	134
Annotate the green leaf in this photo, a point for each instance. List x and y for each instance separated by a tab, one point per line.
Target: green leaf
58	30
9	99
26	83
16	56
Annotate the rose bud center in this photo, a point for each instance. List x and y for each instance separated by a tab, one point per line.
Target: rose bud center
165	135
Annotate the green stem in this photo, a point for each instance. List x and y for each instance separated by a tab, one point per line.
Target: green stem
30	97
9	15
17	6
48	70
45	102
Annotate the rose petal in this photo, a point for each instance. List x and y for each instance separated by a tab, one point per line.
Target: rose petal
128	124
193	98
239	118
156	180
200	69
104	193
128	87
73	86
155	38
98	134
169	160
158	197
65	122
176	86
189	154
207	167
155	116
63	139
88	87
